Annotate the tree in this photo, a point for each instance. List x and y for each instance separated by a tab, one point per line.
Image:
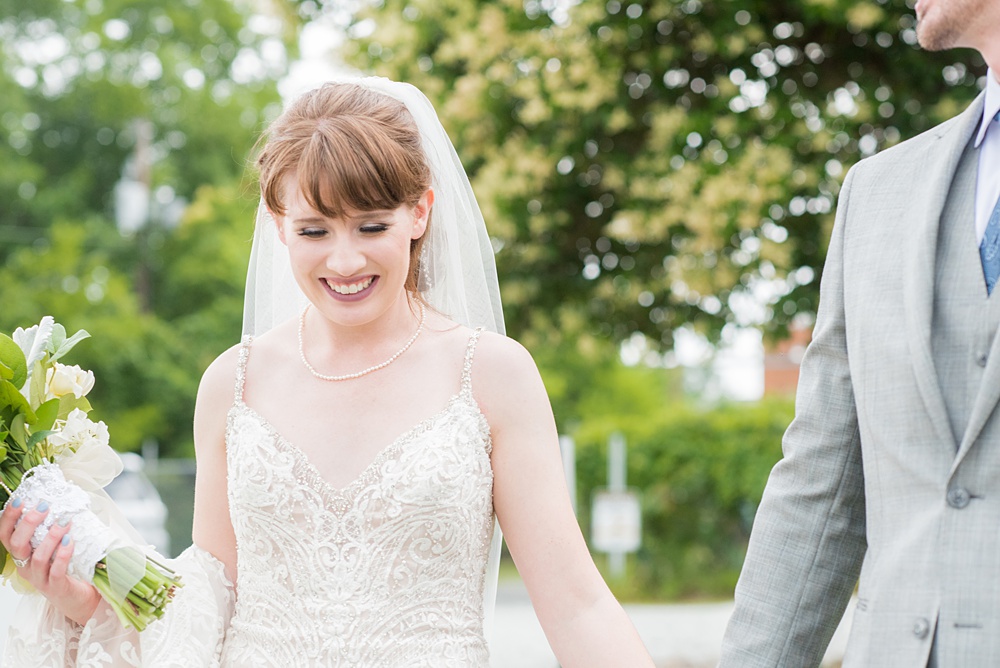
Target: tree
659	162
79	75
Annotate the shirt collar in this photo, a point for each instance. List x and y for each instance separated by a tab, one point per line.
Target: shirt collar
992	106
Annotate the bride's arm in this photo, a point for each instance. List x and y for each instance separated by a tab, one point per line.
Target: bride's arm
212	530
583	622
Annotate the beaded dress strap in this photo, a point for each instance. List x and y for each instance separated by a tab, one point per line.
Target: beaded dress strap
470	350
241	368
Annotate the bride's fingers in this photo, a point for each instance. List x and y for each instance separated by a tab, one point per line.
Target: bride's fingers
8	519
59	580
20	540
41	558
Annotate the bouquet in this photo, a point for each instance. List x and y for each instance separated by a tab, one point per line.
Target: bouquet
50	450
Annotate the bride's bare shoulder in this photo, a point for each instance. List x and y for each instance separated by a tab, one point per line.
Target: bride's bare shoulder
220	376
500	360
219	380
504	375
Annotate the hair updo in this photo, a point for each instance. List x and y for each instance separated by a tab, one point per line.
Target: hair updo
349	148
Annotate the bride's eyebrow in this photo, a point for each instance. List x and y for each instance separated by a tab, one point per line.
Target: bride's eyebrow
370	215
308	220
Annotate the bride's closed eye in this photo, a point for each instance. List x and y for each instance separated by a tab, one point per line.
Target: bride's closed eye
373	228
312	232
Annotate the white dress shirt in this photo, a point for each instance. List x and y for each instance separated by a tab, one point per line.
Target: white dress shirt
988	143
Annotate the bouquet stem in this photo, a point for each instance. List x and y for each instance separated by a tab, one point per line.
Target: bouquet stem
147	599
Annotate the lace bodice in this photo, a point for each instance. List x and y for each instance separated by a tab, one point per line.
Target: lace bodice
388	571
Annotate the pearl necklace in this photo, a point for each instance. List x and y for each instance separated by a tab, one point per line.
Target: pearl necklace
363	372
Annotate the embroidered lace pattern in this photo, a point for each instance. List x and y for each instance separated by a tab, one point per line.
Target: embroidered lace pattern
388	571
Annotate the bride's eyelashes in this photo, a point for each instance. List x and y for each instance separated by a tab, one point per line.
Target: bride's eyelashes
312	232
368	229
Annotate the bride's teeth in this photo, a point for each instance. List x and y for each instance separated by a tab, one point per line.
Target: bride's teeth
350	289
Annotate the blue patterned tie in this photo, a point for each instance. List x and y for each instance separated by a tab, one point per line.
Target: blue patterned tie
989	249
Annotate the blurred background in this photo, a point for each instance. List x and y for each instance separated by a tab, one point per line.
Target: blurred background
659	178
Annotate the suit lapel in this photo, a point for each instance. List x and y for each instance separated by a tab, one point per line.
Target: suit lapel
941	157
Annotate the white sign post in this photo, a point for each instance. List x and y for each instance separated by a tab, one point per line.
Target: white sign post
616	516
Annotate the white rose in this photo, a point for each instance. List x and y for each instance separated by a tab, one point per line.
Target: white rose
78	432
61	380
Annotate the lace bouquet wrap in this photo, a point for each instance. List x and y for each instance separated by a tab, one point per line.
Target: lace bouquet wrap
51	451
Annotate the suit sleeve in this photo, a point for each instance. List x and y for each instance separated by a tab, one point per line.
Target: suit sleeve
808	538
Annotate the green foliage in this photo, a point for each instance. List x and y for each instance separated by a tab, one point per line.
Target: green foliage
199	284
701	475
78	75
80	79
645	163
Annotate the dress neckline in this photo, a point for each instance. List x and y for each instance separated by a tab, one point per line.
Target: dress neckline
342	494
369	472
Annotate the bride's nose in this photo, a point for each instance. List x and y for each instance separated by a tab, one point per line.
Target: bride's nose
345	258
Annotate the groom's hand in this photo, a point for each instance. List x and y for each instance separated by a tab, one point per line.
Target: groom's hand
45	567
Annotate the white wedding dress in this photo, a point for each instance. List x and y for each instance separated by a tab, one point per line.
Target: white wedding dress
389	571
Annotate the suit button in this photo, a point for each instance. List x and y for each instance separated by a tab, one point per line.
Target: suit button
981	359
921	627
958	497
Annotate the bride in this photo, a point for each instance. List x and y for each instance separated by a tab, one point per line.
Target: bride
355	450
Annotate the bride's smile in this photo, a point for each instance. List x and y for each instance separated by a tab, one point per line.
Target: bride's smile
350	289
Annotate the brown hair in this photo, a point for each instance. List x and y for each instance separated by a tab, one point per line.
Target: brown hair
350	148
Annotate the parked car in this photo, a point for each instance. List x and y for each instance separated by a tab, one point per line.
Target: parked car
141	504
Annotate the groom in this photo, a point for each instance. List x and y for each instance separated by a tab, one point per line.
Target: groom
892	464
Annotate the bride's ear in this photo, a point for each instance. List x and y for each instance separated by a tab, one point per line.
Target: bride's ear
422	213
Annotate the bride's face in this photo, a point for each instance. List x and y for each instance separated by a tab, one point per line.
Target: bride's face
353	269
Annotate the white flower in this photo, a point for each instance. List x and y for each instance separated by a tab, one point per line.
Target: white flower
78	432
33	342
61	380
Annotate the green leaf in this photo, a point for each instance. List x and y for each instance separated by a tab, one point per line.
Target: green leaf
68	402
46	414
6	372
18	432
57	339
67	344
12	358
12	404
3	550
39	436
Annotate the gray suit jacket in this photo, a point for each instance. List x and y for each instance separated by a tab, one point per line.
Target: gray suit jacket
873	479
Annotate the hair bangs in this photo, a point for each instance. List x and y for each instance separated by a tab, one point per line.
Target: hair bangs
343	170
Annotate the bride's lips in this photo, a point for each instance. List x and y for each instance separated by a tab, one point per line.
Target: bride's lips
350	291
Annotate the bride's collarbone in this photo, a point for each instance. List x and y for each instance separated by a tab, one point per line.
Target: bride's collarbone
352	416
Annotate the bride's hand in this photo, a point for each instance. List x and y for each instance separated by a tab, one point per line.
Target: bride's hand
46	567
